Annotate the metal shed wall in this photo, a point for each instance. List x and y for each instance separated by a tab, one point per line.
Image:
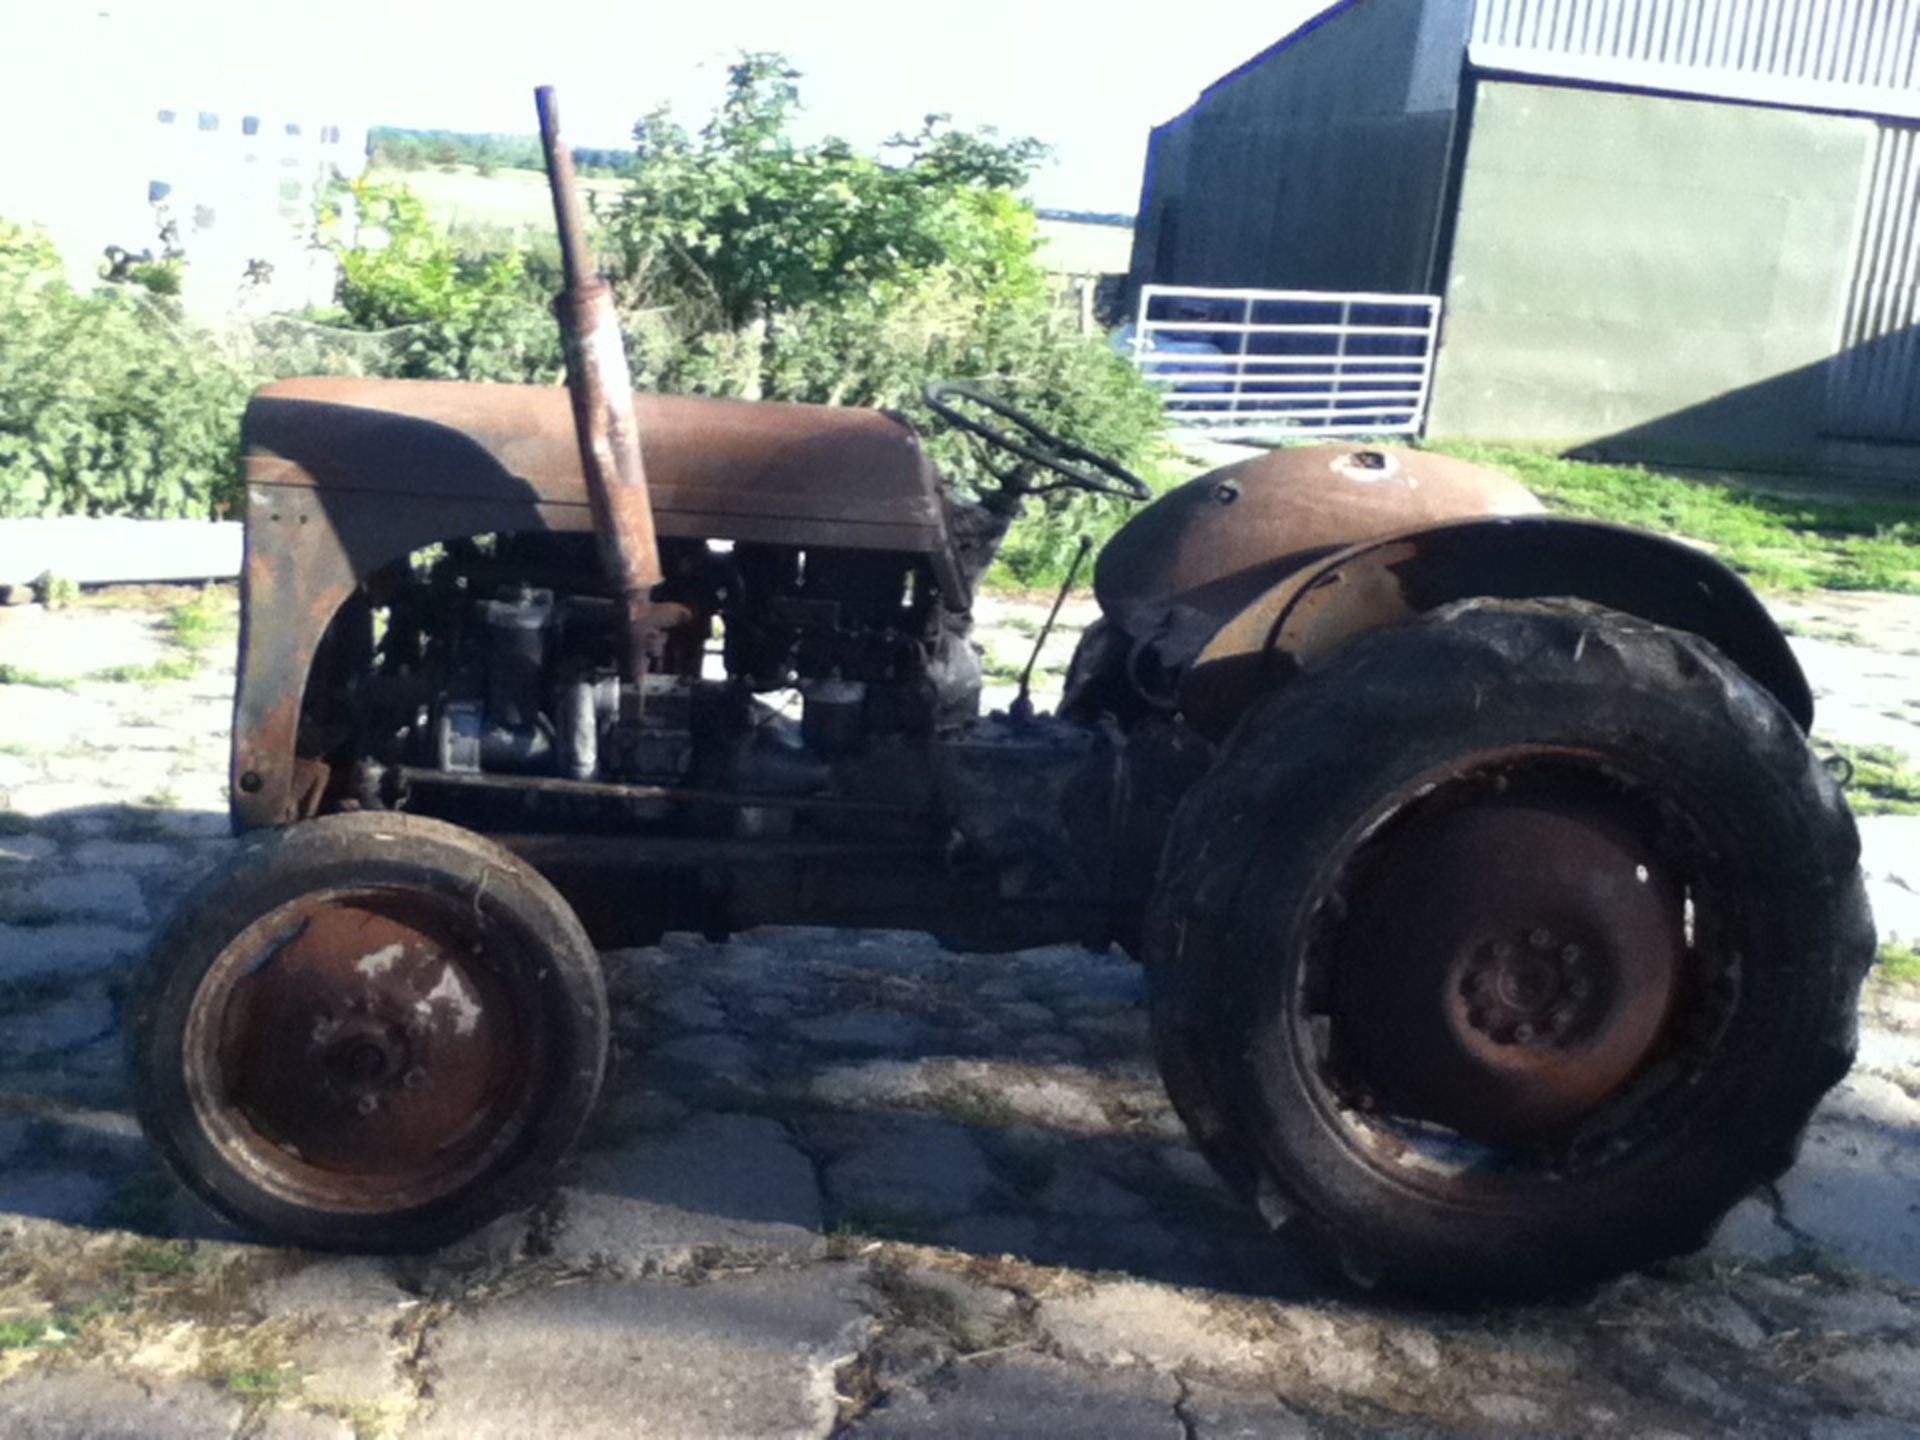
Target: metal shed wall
1667	278
1319	164
1873	392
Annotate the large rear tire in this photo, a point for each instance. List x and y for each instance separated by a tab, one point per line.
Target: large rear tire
368	1032
1508	949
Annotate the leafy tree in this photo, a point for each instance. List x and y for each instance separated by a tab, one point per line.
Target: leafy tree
762	225
751	264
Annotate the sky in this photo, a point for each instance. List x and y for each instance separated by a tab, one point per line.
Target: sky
1091	79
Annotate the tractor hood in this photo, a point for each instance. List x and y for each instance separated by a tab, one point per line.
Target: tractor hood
717	469
1181	567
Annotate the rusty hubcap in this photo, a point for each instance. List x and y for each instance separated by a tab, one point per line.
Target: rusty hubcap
366	1051
1509	965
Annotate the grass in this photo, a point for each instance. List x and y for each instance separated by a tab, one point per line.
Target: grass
1900	962
1884	781
974	1106
21	675
26	1334
883	1222
162	1259
176	666
1821	632
189	629
921	1305
46	1332
1777	543
195	624
995	666
260	1382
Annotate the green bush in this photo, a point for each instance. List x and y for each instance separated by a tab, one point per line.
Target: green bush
452	316
108	404
746	264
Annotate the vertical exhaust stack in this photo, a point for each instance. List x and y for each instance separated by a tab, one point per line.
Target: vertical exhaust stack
602	391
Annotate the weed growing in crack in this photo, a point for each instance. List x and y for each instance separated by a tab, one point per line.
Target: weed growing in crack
883	1222
979	1108
56	1330
260	1382
162	1259
922	1303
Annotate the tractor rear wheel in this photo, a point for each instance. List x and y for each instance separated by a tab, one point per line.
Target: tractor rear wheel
368	1032
1508	949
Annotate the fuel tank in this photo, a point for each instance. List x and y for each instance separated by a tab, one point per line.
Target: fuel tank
1197	555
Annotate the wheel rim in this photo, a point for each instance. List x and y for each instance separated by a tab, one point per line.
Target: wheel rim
367	1050
1509	957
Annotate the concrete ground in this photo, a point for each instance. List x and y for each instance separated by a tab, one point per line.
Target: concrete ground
844	1183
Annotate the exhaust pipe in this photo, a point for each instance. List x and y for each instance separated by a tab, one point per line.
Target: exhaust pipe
601	388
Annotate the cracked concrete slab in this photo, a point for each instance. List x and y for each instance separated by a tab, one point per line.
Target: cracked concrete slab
1126	1323
1029	1395
1214	1412
90	1404
734	1182
754	1356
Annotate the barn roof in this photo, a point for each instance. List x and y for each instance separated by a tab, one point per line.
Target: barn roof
1853	56
1856	56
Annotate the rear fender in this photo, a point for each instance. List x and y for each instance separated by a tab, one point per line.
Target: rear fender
1394	578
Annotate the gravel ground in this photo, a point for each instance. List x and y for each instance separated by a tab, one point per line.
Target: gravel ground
847	1183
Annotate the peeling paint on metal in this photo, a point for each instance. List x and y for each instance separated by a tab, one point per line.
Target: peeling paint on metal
452	991
381	960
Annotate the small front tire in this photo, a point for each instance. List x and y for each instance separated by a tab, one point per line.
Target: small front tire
367	1032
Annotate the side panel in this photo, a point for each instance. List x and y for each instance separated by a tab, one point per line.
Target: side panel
1387	581
1663	277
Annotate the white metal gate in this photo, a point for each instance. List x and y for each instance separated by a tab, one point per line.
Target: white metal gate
1317	361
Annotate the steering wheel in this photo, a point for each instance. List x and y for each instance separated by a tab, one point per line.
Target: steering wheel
1078	467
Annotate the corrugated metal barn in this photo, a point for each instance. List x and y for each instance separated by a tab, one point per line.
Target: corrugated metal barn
1679	230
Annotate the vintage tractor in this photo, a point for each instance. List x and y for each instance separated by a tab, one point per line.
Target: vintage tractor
1501	927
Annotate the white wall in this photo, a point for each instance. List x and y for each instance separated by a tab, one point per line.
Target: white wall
86	99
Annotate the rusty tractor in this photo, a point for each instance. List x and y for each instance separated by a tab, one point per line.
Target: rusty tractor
1501	928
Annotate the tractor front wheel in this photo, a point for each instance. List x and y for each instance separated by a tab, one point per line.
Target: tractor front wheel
1509	949
368	1032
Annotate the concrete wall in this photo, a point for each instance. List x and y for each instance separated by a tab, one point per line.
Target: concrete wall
1665	277
1317	165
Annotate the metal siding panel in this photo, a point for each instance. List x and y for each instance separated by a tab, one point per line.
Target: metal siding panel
1661	276
1874	387
1862	45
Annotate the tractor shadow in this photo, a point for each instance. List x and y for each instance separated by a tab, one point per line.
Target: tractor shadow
791	1093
